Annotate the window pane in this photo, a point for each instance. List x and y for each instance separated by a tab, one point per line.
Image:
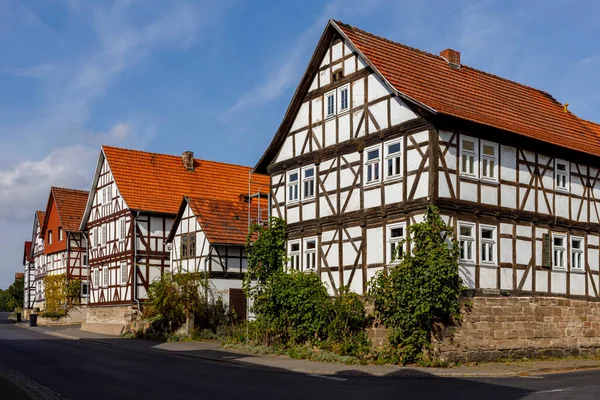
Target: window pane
561	167
396	232
489	150
311	244
397	162
467	145
558	241
295	246
372	154
576	244
491	175
308	173
293	177
485	167
487	233
376	171
394	148
390	167
471	164
465	230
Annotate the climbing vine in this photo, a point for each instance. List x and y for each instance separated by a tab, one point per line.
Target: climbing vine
423	290
265	246
62	294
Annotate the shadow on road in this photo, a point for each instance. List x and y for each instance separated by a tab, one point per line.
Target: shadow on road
78	369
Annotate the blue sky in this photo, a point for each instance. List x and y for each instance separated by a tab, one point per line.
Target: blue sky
216	77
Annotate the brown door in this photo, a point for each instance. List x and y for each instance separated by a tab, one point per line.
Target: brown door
237	302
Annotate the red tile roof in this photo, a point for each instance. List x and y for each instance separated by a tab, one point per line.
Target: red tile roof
158	182
27	252
223	221
474	95
41	215
71	206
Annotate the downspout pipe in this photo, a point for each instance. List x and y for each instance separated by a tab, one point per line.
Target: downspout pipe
89	270
135	249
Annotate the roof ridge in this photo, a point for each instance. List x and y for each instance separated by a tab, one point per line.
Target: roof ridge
442	58
69	189
176	156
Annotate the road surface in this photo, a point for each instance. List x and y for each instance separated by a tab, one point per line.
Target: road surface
81	370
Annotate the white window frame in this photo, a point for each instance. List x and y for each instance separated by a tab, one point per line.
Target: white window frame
493	243
96	278
565	174
288	185
308	180
50	236
372	165
326	102
122	229
104	238
86	284
563	264
579	252
467	239
121	270
488	158
341	89
105	276
60	233
391	157
312	253
474	153
393	242
295	257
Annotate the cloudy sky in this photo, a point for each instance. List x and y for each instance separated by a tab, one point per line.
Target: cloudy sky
216	77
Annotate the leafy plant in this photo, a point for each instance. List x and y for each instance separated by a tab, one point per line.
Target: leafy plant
62	294
52	314
422	290
266	251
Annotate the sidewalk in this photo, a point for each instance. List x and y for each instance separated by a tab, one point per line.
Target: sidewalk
213	351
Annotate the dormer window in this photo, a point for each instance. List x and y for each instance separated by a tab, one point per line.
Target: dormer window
561	173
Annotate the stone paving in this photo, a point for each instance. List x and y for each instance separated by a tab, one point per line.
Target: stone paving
213	351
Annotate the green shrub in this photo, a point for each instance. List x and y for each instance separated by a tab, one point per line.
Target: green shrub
292	308
422	290
53	314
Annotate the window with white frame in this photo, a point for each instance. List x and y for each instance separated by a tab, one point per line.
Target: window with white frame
559	249
561	173
292	186
96	235
104	234
60	233
489	161
466	237
488	244
310	253
124	273
343	98
106	276
308	183
577	254
372	164
103	195
84	289
330	104
122	229
96	280
294	255
468	153
395	238
393	165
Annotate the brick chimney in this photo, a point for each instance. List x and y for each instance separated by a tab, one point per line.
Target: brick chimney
188	159
452	56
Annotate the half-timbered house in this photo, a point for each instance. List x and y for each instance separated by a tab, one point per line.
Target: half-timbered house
133	202
39	259
64	244
377	130
28	278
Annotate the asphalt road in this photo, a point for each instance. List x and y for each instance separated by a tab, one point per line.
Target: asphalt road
80	370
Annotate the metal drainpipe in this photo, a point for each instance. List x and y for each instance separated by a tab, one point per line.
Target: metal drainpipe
135	261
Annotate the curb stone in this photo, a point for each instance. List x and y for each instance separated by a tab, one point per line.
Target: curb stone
34	390
408	373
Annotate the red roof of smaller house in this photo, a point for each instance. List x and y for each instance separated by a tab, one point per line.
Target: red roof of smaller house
27	252
224	221
41	215
71	206
19	275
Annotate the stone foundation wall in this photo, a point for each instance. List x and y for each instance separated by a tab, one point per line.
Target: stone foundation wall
518	327
121	315
499	328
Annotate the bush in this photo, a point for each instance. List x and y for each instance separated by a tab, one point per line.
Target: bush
422	290
53	314
176	298
291	308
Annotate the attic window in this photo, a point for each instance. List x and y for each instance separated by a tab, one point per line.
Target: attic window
337	75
